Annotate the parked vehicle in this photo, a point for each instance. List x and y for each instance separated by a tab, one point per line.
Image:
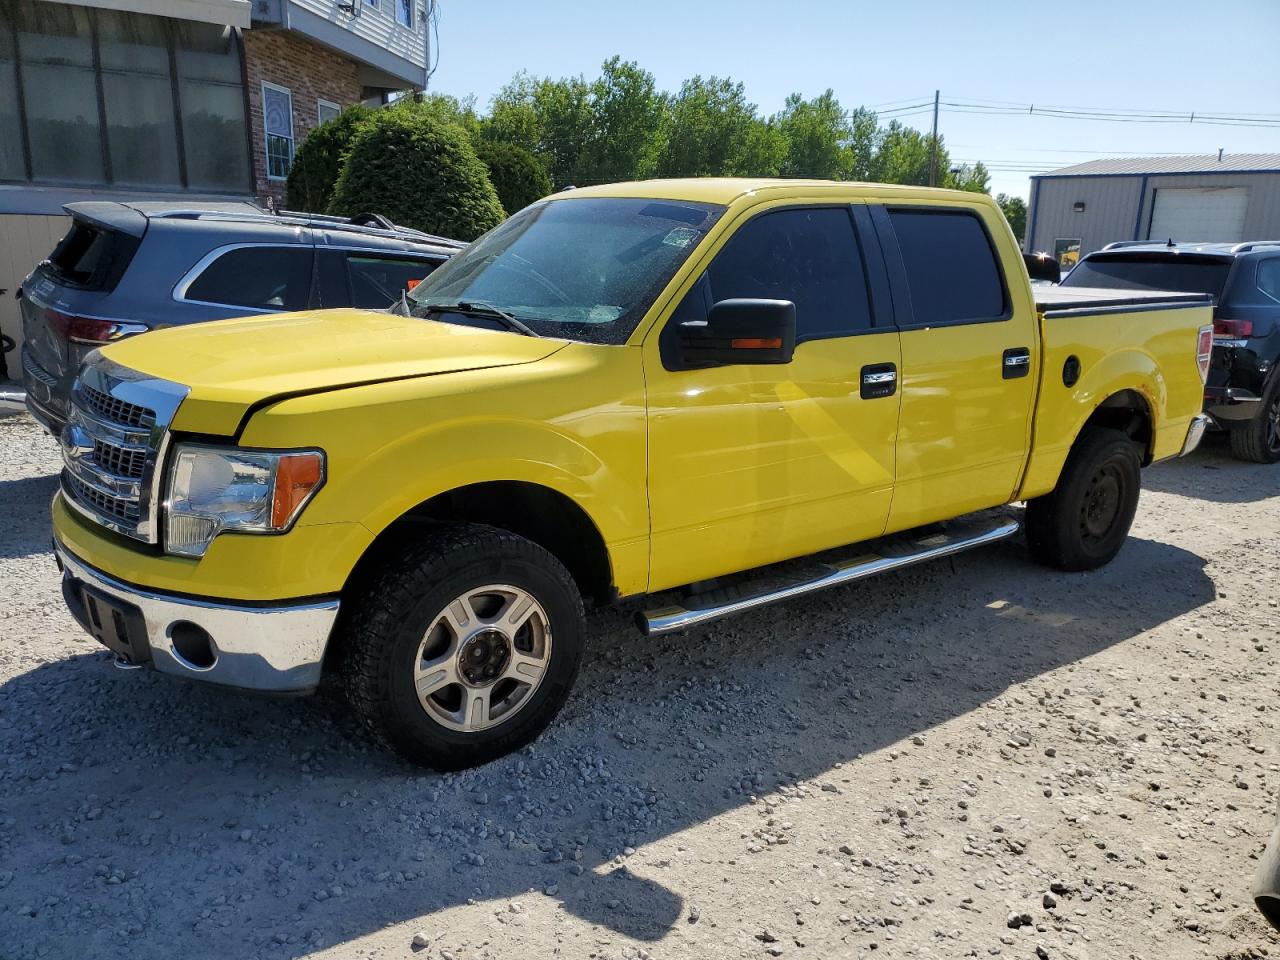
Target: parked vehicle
125	268
1266	882
622	390
1243	392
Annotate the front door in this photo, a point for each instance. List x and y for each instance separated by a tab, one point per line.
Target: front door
754	464
968	356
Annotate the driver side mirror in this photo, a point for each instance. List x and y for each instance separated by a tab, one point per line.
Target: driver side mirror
741	331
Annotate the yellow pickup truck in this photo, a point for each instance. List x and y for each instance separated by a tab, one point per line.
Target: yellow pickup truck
718	393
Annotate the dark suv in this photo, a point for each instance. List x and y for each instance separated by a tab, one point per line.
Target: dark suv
123	269
1243	390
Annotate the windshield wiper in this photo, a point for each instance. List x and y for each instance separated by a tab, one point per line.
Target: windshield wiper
482	308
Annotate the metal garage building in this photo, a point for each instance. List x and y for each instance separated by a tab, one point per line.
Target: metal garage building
1081	208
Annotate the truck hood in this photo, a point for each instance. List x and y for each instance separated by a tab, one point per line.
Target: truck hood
231	366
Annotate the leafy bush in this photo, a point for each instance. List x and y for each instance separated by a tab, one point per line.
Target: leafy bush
318	161
515	173
420	172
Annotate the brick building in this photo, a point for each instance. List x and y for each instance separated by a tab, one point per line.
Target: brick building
177	99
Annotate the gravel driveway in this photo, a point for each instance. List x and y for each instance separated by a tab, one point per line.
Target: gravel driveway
964	759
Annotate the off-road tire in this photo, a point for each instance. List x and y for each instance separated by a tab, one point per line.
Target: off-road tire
398	598
1062	532
1258	440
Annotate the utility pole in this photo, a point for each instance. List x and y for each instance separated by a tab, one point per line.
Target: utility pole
933	144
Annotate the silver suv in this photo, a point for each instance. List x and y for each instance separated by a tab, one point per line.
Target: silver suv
125	268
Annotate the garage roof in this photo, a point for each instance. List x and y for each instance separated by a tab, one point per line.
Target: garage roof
1192	163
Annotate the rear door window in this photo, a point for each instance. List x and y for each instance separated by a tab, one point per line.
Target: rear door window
808	256
263	278
377	282
1269	278
952	271
1180	273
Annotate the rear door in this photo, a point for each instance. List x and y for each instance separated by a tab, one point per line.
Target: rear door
753	464
968	350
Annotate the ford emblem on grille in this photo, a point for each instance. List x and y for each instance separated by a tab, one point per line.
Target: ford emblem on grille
113	446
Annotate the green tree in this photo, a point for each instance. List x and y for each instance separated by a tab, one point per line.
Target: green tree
515	173
763	152
902	156
713	131
318	160
818	135
549	118
860	149
627	122
408	165
1015	211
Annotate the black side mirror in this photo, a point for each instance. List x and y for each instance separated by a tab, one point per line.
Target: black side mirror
739	332
1041	266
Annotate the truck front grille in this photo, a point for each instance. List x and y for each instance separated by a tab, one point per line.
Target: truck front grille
113	444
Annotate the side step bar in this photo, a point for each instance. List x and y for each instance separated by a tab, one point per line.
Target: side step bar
703	608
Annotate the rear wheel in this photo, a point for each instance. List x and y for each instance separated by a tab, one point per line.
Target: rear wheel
1258	440
463	647
1083	523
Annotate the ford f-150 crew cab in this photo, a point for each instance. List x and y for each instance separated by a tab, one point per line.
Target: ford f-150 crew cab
726	392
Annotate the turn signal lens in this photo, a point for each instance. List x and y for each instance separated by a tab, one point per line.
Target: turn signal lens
297	475
1204	350
756	343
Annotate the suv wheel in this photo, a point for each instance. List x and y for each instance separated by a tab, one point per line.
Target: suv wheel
463	647
1258	440
1083	523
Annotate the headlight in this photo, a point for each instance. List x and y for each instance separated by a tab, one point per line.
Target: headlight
216	489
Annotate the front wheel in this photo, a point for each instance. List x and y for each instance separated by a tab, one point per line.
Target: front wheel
463	647
1083	523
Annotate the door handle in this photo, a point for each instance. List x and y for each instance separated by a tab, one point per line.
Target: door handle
879	380
1017	363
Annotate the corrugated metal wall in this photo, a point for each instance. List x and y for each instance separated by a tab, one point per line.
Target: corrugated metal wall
24	242
1112	206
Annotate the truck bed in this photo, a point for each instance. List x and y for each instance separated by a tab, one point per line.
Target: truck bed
1054	300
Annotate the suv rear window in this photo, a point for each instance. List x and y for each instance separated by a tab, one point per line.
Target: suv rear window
264	278
951	269
1183	273
91	257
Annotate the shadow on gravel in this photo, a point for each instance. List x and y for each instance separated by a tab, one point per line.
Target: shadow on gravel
147	817
1212	473
24	516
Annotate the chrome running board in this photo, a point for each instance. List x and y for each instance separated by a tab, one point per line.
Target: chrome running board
892	553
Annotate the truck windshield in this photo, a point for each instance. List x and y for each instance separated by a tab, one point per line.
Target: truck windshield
579	268
1183	273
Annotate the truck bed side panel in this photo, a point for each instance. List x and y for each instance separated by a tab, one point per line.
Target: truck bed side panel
1151	350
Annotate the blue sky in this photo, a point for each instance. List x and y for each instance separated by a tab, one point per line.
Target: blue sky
1171	56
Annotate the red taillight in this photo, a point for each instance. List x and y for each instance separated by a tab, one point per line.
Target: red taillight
1233	329
1204	349
88	329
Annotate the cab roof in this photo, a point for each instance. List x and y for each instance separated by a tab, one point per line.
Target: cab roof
725	190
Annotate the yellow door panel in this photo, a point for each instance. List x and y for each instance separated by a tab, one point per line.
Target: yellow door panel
754	464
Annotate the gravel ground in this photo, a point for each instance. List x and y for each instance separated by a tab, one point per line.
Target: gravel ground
965	759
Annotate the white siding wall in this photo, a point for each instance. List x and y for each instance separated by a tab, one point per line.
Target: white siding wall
379	26
1112	206
24	242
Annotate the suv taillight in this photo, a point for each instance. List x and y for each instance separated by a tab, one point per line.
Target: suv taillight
1204	349
1233	329
89	329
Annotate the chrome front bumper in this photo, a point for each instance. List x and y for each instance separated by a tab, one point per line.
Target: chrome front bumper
1195	433
277	647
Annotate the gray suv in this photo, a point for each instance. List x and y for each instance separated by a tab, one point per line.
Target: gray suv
125	268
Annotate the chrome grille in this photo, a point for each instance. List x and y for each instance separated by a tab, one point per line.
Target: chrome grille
113	445
123	461
118	507
114	409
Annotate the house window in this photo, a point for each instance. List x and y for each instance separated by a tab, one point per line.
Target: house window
277	119
404	12
327	110
371	3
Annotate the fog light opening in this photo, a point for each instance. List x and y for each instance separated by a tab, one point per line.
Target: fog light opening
192	645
